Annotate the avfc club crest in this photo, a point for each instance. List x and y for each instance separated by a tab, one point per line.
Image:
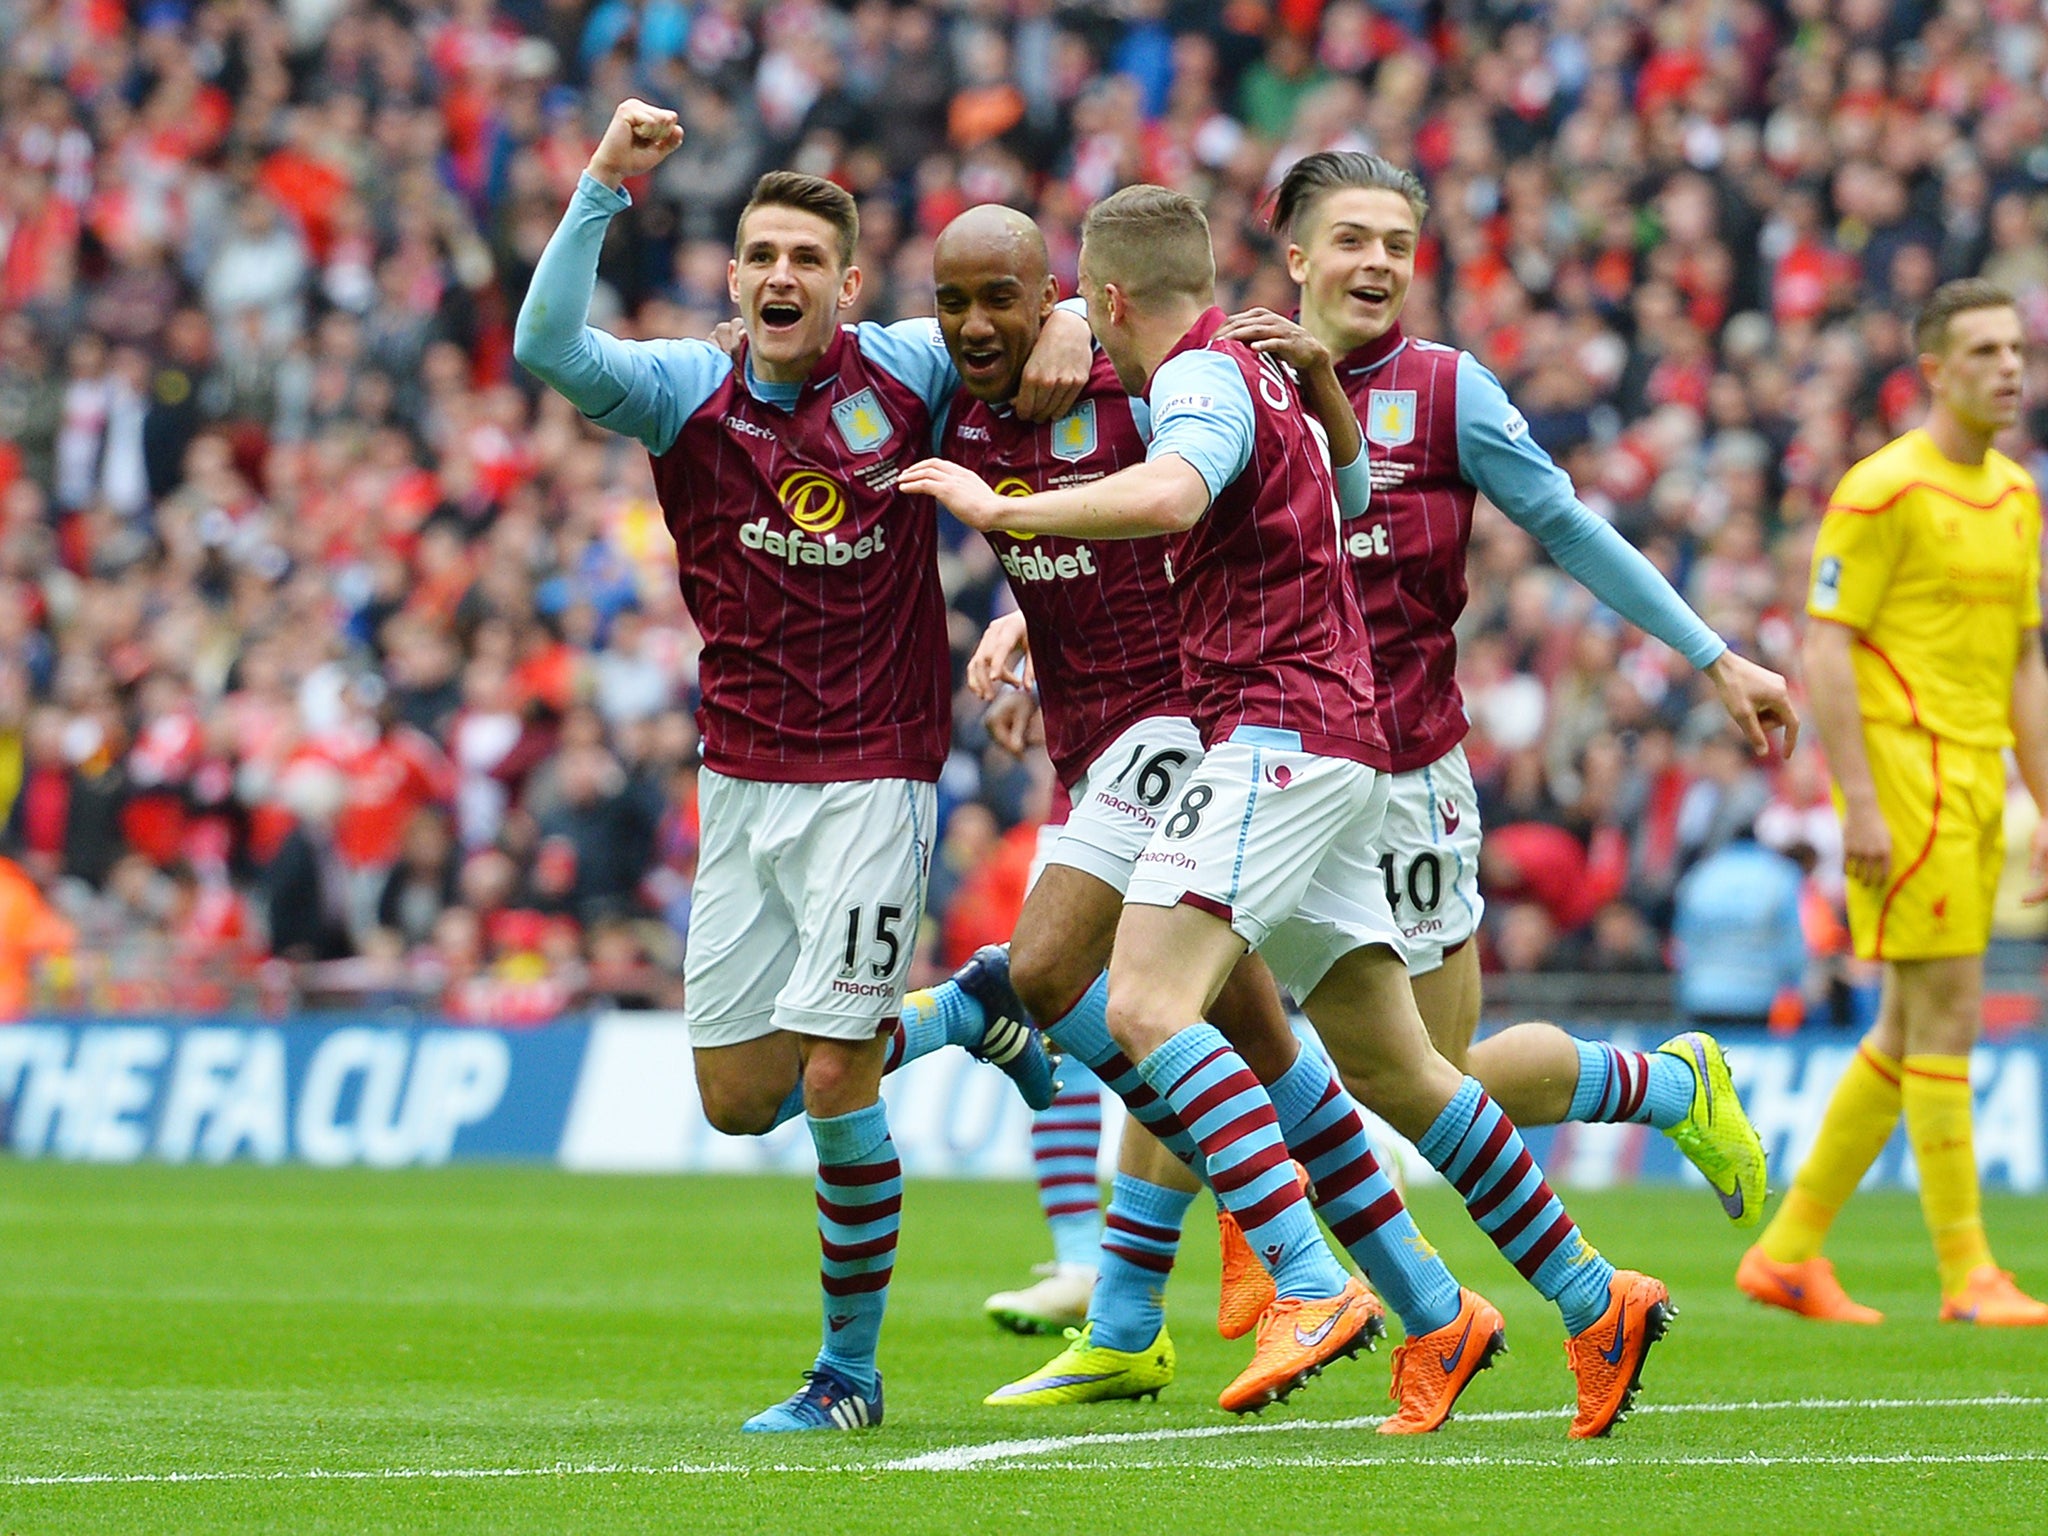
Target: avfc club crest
1390	417
862	425
1073	435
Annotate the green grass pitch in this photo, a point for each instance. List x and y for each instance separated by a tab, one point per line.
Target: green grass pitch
506	1349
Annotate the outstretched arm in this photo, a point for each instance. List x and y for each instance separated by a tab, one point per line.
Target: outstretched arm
1159	496
1498	456
645	390
1202	429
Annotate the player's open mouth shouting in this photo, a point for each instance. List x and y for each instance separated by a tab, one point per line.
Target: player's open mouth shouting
981	364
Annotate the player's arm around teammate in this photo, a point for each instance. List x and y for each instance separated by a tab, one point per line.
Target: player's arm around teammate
1117	728
642	389
994	294
1441	432
825	709
1121	693
791	291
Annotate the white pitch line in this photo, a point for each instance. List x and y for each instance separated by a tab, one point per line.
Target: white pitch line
961	1458
1035	1454
394	1474
1561	1462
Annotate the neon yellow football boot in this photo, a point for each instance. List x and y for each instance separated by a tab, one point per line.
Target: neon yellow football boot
1716	1136
1088	1373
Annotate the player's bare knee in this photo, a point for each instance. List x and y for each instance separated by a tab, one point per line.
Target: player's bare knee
1939	1011
1951	1031
1137	1024
733	1110
1367	1083
826	1076
840	1076
1048	981
1407	1095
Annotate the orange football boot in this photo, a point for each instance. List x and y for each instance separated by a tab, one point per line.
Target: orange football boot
1808	1288
1608	1356
1432	1369
1298	1338
1247	1289
1991	1299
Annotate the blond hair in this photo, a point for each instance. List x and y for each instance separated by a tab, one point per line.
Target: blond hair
1153	243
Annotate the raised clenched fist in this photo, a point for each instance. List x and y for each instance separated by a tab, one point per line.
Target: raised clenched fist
638	138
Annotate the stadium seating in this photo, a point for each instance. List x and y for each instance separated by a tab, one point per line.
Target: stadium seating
325	635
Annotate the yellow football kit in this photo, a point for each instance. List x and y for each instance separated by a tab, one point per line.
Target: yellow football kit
1937	566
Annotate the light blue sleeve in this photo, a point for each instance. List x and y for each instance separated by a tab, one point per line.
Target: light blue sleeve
641	389
913	353
1354	485
1141	417
1202	411
1497	454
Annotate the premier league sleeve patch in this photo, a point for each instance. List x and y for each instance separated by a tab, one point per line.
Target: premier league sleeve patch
862	425
1073	435
1390	417
1827	585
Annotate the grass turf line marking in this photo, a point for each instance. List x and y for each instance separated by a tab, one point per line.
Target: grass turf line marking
396	1474
1561	1463
1028	1455
1222	1464
961	1458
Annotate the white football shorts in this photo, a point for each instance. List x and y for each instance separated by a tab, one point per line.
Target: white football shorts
1429	859
1120	801
1281	844
806	908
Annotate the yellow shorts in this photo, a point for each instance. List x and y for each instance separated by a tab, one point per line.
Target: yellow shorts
1945	805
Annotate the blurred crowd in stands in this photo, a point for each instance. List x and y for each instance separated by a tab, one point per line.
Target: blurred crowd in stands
326	636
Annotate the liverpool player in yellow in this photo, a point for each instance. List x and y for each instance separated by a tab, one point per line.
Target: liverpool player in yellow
1924	662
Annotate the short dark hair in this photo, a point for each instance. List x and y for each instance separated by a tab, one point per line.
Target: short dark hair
1152	242
1930	328
1313	177
809	194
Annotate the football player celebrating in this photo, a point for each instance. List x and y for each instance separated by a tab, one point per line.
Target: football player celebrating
1119	729
1271	843
825	678
1440	432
